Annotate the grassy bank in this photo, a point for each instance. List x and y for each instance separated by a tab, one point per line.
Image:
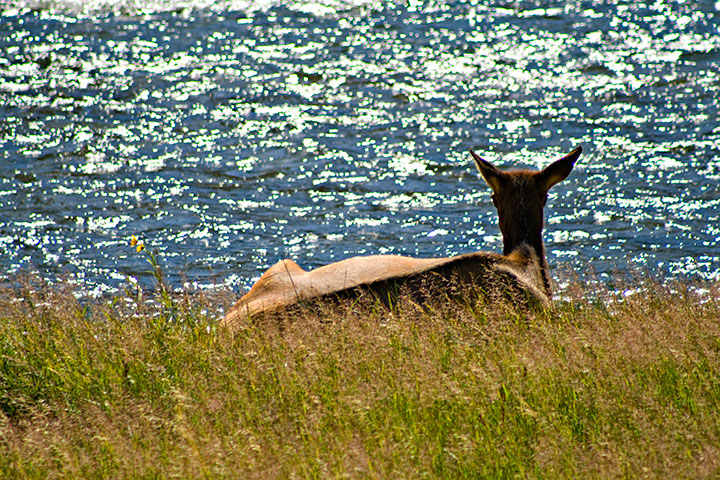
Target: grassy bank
627	387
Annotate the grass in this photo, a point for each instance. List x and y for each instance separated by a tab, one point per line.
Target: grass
614	387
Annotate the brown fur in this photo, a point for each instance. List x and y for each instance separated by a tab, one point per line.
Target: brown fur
519	197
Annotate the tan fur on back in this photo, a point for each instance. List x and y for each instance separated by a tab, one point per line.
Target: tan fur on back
285	283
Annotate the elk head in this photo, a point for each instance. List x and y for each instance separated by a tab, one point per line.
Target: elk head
520	196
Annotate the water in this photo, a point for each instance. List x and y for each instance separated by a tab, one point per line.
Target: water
229	135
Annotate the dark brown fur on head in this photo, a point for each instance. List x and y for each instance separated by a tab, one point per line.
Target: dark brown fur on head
520	196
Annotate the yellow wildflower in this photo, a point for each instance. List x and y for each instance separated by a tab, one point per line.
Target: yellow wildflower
140	247
133	241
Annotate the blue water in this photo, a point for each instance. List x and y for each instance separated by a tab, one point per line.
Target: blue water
229	135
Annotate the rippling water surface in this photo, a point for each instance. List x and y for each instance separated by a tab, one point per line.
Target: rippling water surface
231	135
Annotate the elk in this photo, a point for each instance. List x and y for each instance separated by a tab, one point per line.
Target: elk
519	197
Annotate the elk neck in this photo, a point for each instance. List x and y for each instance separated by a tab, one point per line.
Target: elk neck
527	246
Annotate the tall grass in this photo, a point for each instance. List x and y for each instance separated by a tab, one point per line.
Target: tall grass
614	387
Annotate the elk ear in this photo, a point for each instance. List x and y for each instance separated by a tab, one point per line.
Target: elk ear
491	174
559	170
